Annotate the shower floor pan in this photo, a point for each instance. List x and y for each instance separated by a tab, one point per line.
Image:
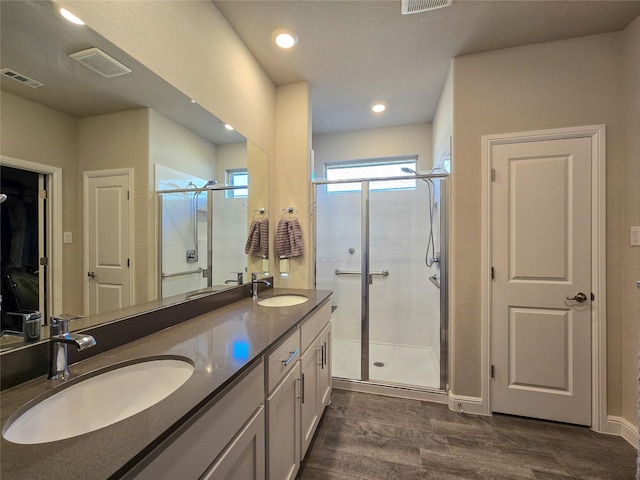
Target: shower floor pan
406	365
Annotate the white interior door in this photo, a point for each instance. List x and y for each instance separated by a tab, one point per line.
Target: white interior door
108	242
541	257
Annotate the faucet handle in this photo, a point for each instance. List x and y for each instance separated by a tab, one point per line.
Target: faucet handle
60	323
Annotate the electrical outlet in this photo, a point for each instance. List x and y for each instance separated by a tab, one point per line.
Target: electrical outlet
635	236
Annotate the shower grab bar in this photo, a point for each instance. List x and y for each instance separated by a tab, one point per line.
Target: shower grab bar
383	273
180	274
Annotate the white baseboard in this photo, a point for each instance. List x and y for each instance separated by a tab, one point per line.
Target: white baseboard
623	428
472	405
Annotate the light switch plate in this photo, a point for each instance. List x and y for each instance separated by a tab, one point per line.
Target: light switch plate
635	236
68	237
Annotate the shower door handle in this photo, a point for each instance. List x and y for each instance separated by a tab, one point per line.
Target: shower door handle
383	273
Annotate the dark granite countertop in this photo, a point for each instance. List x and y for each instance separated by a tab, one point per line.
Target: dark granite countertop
207	340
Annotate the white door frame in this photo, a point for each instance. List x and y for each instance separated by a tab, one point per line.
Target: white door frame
597	133
85	221
54	279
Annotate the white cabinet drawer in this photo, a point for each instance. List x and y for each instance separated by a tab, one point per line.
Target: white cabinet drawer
282	359
313	325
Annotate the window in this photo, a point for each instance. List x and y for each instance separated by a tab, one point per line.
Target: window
237	177
370	169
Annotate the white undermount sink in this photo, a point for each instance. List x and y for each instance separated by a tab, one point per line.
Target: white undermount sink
282	300
102	399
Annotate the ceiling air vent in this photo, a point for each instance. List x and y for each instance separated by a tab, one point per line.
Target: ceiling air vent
18	77
417	6
98	61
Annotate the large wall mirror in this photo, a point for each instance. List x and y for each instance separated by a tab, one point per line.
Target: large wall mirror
101	141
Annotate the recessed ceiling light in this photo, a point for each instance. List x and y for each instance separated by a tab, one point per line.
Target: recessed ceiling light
378	107
70	16
193	100
228	127
284	37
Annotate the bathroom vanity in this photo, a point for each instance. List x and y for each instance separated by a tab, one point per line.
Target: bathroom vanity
261	380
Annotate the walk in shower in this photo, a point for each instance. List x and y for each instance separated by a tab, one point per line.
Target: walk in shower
381	248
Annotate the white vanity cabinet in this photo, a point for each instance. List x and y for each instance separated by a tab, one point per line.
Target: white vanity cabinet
224	441
283	409
316	372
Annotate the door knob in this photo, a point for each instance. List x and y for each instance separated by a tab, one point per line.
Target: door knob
578	297
91	274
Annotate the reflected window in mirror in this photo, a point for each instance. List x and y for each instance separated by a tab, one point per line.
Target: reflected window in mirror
237	177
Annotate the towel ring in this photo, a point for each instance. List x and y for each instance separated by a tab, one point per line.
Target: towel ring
259	211
289	210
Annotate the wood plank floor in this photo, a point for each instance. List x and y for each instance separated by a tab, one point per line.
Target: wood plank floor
371	437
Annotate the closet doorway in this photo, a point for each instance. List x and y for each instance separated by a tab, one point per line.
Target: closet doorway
23	246
380	246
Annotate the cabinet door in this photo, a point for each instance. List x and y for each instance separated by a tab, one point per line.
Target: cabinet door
283	428
311	364
244	458
324	380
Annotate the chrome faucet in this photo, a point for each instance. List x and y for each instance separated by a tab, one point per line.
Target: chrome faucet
254	284
239	280
59	339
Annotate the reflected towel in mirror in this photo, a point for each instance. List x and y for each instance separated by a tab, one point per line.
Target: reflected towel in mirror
258	239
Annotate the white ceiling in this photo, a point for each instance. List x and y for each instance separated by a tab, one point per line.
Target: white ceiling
354	53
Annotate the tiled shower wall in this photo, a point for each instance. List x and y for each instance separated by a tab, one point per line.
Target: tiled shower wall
404	306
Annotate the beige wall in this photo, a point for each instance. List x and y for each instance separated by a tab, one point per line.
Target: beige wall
115	141
374	143
630	295
551	85
290	181
443	121
199	54
42	135
176	147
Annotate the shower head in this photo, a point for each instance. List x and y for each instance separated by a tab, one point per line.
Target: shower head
210	183
413	172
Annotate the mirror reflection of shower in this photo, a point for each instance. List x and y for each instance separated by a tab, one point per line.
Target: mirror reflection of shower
430	257
192	255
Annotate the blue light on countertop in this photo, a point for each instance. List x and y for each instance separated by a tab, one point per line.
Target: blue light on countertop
240	350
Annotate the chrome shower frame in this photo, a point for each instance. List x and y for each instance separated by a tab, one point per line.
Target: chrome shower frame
444	277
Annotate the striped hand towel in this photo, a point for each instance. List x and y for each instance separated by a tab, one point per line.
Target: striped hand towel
258	239
289	238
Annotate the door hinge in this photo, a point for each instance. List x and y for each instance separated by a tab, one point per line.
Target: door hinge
43	194
593	296
493	174
493	274
44	261
128	195
128	262
493	372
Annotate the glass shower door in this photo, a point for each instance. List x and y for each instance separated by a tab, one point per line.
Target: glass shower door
404	305
338	257
378	247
